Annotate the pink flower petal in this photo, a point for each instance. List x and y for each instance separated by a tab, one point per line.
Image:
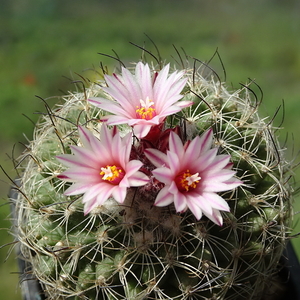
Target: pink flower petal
164	175
132	86
106	192
114	119
143	76
183	104
132	167
86	163
210	186
203	203
137	122
219	175
216	217
233	183
88	206
170	110
157	157
216	201
86	137
176	84
180	202
220	162
205	159
141	130
100	188
191	150
138	179
70	160
160	82
203	173
174	162
83	155
82	174
130	91
111	106
116	88
172	95
119	194
175	145
77	188
164	198
195	209
206	140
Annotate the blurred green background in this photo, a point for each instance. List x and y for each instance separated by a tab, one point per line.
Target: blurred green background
44	41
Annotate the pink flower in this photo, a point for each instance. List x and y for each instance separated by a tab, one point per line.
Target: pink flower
141	100
101	168
193	174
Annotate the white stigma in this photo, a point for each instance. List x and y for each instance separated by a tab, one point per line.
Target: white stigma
107	173
146	104
191	179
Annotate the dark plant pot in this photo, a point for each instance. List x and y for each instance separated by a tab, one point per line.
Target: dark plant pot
30	286
289	274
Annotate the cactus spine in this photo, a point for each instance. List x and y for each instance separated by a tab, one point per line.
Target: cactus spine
136	250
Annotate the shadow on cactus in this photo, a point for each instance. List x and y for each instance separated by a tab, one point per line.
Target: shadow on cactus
155	183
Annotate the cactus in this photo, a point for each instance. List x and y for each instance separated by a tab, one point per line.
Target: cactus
140	241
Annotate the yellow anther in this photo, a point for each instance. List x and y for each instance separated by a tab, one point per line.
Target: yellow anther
113	174
186	180
146	110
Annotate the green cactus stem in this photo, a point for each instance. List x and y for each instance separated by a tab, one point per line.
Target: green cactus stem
137	250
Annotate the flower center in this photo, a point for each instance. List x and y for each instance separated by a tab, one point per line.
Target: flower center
113	174
146	110
185	181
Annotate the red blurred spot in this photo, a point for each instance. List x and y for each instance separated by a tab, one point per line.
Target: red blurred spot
29	79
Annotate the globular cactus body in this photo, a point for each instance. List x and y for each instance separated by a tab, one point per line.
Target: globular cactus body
137	250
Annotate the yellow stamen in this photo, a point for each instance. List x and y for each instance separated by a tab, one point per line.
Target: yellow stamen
113	174
146	110
186	180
